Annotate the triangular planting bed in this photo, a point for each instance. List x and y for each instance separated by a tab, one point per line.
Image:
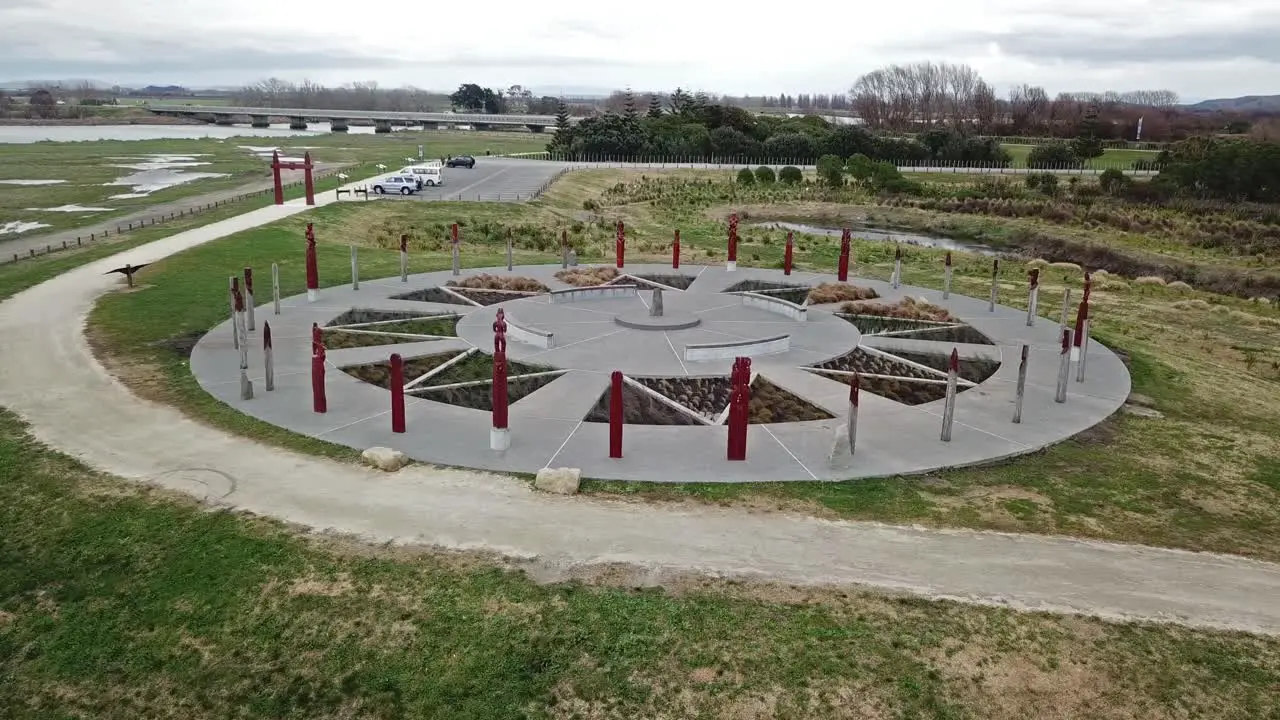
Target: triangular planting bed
960	334
491	297
379	373
773	404
362	316
707	396
479	396
901	390
343	340
866	362
786	291
390	331
916	329
479	366
639	408
432	295
975	370
679	282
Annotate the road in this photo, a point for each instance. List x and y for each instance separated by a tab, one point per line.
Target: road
53	240
49	376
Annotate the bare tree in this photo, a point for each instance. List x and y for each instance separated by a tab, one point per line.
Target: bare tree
925	94
1027	106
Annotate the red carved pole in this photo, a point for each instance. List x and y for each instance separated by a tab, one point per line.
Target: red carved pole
310	186
787	255
1082	317
313	269
739	402
397	393
620	245
675	252
275	175
319	402
843	274
615	415
732	263
499	434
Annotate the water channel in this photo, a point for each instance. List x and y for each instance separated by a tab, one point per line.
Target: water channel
885	235
23	134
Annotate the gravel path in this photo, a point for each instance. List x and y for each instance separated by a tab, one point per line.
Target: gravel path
49	376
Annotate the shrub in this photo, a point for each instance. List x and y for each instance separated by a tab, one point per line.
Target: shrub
1055	157
587	277
764	175
907	308
1148	280
1179	285
746	177
790	175
861	168
831	170
1113	181
829	292
1046	183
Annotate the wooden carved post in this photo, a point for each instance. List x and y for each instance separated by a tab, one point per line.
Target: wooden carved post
946	278
457	260
248	298
310	185
855	386
1082	342
275	288
564	249
620	245
237	307
319	401
949	408
787	254
313	269
1021	390
397	393
1033	297
615	415
232	288
1064	368
404	257
995	284
275	175
739	403
731	263
508	249
355	269
675	252
842	267
897	266
268	358
499	434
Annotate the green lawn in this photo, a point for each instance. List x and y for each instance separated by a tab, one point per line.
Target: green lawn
1120	159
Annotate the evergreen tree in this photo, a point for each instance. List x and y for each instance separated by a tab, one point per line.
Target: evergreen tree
629	105
562	116
680	100
655	106
1087	144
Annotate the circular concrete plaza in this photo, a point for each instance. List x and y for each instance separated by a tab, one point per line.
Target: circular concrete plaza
564	344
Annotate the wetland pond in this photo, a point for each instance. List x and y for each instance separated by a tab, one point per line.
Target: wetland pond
884	235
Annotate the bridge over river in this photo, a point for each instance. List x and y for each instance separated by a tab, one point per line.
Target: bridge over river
339	119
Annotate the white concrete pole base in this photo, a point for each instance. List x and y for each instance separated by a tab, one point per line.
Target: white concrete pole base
1032	306
248	308
246	385
731	266
499	439
312	295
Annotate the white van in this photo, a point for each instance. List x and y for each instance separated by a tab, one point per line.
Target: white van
429	174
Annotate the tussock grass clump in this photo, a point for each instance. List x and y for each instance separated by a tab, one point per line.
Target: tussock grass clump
1149	280
587	277
829	292
906	309
1114	286
1196	304
1179	285
1037	264
1069	266
484	281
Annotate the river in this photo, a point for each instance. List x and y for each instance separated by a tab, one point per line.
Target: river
23	134
893	236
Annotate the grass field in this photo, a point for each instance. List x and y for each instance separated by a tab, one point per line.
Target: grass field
117	601
1203	477
1120	159
87	166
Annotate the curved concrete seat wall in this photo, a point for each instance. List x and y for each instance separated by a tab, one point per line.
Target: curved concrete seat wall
597	292
741	348
529	335
775	305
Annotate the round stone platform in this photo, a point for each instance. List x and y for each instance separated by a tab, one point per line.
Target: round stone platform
668	320
561	380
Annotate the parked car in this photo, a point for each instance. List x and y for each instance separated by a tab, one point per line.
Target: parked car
403	184
465	161
428	174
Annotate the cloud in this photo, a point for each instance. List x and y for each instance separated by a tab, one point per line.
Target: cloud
1210	45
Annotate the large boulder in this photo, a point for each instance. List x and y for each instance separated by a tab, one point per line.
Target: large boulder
384	458
562	481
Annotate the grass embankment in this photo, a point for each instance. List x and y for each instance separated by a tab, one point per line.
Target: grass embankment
87	166
1118	158
121	602
1204	477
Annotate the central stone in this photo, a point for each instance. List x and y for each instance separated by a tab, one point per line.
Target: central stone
642	319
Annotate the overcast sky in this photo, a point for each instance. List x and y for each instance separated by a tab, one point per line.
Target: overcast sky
1198	48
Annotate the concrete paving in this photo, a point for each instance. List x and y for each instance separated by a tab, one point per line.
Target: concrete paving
493	179
49	376
893	439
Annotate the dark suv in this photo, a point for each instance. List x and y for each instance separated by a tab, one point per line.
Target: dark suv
465	161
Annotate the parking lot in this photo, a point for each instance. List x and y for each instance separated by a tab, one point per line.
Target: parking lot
493	179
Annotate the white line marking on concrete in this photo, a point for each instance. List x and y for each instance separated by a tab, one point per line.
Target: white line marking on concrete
556	454
673	352
579	342
356	422
788	451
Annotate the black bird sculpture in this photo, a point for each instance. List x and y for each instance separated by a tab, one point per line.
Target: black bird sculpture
127	271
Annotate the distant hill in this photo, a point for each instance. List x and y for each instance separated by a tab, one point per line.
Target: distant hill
1248	103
